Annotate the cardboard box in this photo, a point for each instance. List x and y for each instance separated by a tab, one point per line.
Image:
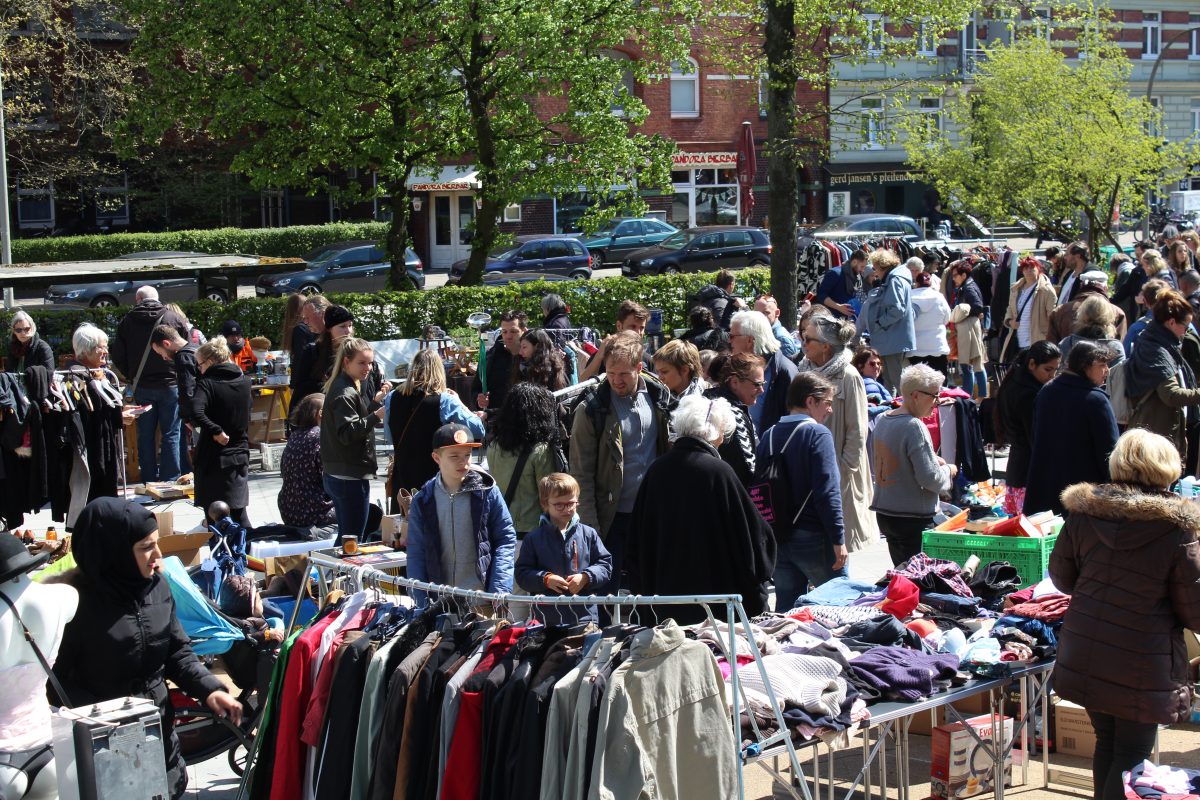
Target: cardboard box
1074	734
192	548
925	722
166	523
959	765
395	532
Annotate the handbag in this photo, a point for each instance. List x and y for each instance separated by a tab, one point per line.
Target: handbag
511	491
399	539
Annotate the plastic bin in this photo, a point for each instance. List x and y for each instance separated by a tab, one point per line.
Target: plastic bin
1030	556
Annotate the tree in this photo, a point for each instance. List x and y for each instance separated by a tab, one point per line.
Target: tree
1046	139
66	83
528	88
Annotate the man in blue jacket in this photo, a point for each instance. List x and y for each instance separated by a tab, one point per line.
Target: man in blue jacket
459	529
890	316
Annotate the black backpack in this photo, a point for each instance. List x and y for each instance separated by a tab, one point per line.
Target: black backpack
771	489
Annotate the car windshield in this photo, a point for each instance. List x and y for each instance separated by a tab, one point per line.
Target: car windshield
833	226
321	255
675	241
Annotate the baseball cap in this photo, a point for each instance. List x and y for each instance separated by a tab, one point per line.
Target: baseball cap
453	435
231	328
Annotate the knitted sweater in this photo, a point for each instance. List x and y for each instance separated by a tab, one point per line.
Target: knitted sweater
903	674
810	682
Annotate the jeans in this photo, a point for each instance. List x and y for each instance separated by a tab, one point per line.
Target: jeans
804	558
971	380
1120	745
185	439
351	504
617	543
903	535
163	416
893	365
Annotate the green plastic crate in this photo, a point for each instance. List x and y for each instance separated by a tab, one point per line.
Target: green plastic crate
1030	556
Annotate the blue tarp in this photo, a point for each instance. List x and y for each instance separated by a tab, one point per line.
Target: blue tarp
209	632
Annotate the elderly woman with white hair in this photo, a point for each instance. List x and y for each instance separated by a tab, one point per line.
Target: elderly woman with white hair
26	349
827	352
96	473
909	474
750	332
90	345
714	543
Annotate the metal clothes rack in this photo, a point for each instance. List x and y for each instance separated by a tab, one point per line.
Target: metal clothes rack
366	577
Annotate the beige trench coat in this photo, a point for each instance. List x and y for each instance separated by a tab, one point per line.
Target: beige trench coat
848	423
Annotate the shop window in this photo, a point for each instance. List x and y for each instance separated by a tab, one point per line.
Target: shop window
872	123
35	206
685	89
1151	34
112	202
873	34
705	197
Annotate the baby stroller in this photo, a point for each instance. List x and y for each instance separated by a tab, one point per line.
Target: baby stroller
248	658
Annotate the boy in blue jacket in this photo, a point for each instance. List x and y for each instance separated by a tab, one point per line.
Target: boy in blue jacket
562	555
459	530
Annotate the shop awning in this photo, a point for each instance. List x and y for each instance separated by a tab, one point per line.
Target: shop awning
449	179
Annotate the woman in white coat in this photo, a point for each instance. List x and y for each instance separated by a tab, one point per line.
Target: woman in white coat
933	313
826	351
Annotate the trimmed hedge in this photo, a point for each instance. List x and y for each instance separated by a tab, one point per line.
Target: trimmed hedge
402	315
277	242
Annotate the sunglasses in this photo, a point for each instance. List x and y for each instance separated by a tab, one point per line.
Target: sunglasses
22	329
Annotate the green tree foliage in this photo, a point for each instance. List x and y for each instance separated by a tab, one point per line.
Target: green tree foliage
1049	139
526	89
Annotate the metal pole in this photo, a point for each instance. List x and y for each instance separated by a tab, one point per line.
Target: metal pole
1149	92
5	232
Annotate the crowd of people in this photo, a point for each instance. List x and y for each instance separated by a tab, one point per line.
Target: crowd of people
653	478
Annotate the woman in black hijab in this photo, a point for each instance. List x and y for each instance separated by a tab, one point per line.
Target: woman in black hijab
125	638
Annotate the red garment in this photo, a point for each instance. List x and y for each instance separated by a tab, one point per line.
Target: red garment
314	715
1051	608
801	614
902	597
287	776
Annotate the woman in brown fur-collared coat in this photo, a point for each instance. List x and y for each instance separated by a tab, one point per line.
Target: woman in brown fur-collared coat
1129	558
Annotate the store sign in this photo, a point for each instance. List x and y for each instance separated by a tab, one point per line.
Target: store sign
859	178
686	160
453	186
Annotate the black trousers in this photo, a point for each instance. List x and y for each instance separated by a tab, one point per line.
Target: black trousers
1120	745
903	535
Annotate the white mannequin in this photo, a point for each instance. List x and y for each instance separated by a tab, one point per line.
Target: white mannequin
46	609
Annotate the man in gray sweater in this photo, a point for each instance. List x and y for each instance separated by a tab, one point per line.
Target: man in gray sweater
909	474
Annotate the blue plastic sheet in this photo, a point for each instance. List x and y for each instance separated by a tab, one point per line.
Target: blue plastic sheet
209	632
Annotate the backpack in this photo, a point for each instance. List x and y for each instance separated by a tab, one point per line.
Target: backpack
771	490
1122	406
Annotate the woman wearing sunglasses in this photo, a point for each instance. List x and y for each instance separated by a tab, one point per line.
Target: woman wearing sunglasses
25	348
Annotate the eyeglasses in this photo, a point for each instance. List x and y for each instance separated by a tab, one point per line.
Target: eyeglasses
759	384
811	340
22	329
927	394
566	506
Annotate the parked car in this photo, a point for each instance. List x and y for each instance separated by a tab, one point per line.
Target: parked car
121	293
547	254
623	235
871	224
502	278
705	249
359	266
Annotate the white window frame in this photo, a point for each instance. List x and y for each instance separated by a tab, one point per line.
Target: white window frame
873	123
512	213
693	77
1151	34
1194	37
1196	118
628	82
35	223
968	43
873	28
115	190
931	107
926	38
1043	21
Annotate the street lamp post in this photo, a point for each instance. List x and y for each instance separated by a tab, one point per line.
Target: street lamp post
1162	52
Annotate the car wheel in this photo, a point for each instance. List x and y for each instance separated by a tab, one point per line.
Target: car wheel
670	269
216	295
580	275
105	301
600	256
309	289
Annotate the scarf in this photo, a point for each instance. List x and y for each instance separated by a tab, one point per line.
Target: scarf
105	533
833	369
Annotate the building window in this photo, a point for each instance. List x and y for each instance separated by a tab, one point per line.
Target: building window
1196	118
872	123
628	83
926	39
704	197
512	213
99	20
685	89
764	100
112	202
1194	24
35	206
931	114
1151	34
873	33
969	45
1042	22
271	208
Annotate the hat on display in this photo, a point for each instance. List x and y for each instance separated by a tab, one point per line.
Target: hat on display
453	435
231	328
15	560
336	315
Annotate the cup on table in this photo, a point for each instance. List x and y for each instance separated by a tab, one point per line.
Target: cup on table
349	545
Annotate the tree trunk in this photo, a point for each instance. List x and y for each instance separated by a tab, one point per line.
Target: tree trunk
781	133
397	238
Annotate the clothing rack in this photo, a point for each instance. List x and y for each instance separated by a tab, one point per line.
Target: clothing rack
367	577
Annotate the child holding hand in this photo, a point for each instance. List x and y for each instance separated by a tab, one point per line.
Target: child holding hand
562	555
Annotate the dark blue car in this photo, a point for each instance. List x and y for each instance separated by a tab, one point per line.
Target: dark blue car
546	254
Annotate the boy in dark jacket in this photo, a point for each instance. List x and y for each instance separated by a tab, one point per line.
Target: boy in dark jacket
562	555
